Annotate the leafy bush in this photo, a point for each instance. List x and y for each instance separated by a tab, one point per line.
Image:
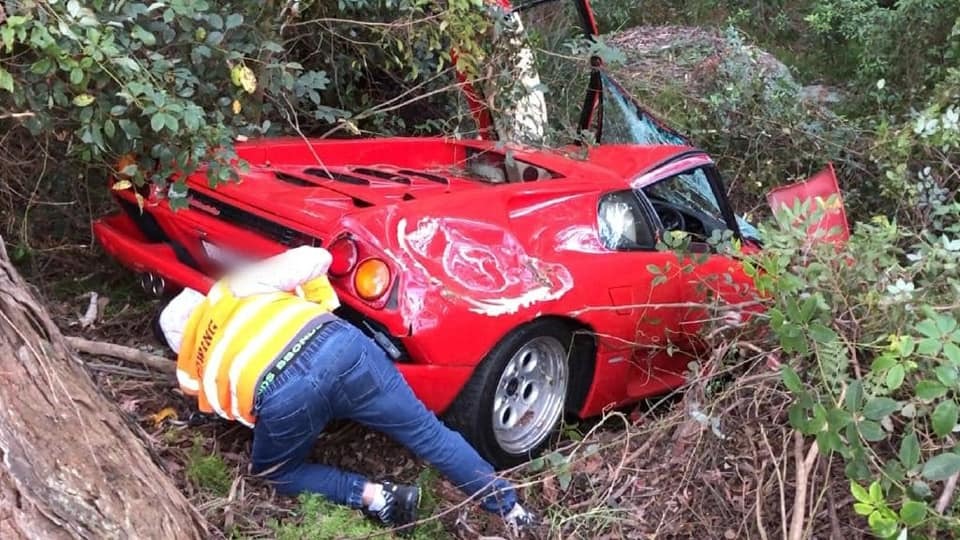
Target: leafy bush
208	471
175	83
872	336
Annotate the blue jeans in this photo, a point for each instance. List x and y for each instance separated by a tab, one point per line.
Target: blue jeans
342	374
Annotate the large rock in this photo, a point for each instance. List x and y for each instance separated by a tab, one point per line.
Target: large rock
698	61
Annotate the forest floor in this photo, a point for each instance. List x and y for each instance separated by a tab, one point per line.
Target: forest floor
715	460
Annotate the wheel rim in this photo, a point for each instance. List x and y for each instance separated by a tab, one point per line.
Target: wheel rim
530	394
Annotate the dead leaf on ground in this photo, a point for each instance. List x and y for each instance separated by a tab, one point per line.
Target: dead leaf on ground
163	414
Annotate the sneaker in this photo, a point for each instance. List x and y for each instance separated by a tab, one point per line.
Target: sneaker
400	510
520	519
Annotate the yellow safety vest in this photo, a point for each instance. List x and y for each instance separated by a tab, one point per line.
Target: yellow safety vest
230	342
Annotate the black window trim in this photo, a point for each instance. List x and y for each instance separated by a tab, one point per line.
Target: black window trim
653	220
647	215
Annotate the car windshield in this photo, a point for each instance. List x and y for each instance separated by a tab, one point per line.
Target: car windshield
688	191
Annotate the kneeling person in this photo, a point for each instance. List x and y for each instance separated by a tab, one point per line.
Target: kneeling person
263	348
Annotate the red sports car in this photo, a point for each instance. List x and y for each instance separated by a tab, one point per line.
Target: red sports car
510	284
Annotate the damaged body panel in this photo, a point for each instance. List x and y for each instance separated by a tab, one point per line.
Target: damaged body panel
508	282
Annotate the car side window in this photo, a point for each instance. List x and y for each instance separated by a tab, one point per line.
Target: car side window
622	224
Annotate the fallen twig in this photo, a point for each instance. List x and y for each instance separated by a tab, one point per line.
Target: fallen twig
803	467
92	312
16	115
122	352
947	494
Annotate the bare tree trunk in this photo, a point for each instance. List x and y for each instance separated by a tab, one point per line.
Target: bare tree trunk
70	466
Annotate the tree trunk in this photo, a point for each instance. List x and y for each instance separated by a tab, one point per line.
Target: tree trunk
70	466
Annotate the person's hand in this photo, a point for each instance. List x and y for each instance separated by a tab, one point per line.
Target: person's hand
320	291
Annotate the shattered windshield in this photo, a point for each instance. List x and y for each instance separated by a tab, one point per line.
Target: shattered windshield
687	202
626	123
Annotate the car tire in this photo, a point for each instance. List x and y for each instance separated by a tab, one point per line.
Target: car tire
525	377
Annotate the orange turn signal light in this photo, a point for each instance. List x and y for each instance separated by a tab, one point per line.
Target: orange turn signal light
372	279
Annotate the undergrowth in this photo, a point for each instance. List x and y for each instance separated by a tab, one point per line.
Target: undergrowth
208	470
315	517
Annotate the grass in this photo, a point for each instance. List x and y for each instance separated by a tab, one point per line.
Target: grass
317	518
209	472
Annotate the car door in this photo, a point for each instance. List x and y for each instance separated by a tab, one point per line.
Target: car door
688	198
645	290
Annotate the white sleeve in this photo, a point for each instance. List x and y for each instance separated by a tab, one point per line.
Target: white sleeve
174	317
283	272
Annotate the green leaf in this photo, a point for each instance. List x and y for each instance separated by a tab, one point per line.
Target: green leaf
859	493
791	380
854	397
912	513
7	37
879	407
864	509
536	465
171	122
895	377
797	415
6	80
946	375
910	451
234	20
157	121
76	76
941	467
109	128
883	363
929	346
919	489
215	21
944	417
653	269
83	100
946	324
952	352
822	334
876	493
564	478
907	344
42	66
144	36
928	390
928	328
882	525
871	431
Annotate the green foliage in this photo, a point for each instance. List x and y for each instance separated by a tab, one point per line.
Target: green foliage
873	338
209	472
176	83
318	518
429	506
867	29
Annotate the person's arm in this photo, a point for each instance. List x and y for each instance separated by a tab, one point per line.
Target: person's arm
284	272
174	317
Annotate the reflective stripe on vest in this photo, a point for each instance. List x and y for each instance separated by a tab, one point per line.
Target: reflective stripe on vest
187	383
232	341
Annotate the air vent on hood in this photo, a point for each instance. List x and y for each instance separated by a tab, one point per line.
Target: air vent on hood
295	180
249	221
385	175
427	176
339	177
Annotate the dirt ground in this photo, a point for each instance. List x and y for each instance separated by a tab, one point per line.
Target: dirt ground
665	469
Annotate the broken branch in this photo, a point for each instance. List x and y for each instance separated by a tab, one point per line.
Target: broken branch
121	352
803	467
947	494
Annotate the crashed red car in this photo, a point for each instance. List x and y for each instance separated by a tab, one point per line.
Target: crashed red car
510	284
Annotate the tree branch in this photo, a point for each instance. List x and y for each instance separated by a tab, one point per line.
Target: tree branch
947	494
121	352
